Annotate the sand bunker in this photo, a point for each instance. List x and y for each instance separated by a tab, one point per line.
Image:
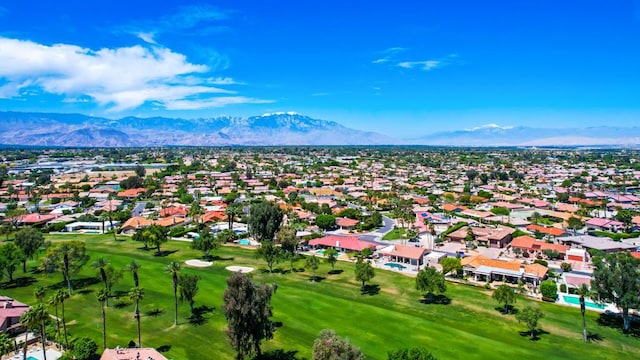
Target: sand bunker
198	263
242	269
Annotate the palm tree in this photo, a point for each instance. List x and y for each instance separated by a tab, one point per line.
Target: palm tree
583	291
134	267
101	264
103	297
55	301
39	292
6	344
136	294
62	296
110	198
36	316
174	269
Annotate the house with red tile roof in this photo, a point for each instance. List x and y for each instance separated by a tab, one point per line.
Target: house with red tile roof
342	243
36	219
635	254
346	223
174	210
482	268
131	193
405	254
603	224
549	231
10	312
495	237
213	216
534	246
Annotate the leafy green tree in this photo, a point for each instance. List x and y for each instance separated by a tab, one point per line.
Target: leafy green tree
450	264
574	224
431	281
247	308
326	222
331	257
329	346
67	257
416	353
102	296
530	316
136	294
195	212
264	221
29	240
288	241
505	295
36	317
84	348
5	229
227	236
364	271
188	285
312	263
139	237
174	268
270	253
616	279
11	257
500	210
205	242
549	290
156	235
233	209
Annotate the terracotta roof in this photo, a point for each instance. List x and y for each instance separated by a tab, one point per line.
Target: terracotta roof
635	254
346	222
345	242
409	252
553	231
136	222
479	260
213	216
131	192
529	243
174	210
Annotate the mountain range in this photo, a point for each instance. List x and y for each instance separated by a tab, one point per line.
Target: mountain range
281	128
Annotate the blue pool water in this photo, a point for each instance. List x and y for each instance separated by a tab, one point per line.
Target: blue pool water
397	266
576	301
31	358
321	252
244	242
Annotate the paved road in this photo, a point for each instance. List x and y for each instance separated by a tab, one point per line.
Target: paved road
139	208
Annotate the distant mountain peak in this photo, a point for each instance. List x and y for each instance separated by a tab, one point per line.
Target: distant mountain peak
490	126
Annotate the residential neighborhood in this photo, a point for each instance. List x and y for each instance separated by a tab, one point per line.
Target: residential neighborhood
529	219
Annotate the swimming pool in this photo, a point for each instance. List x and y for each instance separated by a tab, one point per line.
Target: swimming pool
394	265
576	301
244	242
321	252
32	358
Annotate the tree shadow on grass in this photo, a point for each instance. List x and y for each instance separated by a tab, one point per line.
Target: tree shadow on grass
119	293
19	282
536	334
595	337
84	291
155	312
220	258
279	354
198	315
508	310
370	289
163	348
164	253
121	304
436	299
614	320
76	284
335	272
316	279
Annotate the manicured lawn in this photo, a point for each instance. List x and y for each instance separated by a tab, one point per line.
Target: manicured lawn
395	234
468	328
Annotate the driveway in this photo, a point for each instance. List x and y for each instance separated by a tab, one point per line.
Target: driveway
139	208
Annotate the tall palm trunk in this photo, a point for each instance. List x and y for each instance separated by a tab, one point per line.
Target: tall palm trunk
175	296
64	327
57	324
104	328
137	315
66	272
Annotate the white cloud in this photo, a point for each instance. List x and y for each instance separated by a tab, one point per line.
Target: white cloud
380	61
147	37
119	79
423	65
490	126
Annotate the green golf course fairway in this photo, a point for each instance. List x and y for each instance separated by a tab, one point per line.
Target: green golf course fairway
469	327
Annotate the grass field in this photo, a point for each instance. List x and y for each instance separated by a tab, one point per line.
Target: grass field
395	234
390	316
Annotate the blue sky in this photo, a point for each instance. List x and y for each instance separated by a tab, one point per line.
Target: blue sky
402	68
